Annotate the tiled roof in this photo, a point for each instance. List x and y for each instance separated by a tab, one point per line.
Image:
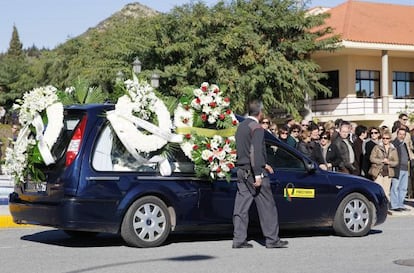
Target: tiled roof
369	22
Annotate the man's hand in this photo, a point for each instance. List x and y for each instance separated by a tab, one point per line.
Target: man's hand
269	168
257	182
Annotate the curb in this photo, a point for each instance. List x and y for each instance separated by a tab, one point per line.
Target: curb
6	221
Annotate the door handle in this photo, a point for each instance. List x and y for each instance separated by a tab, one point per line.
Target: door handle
102	178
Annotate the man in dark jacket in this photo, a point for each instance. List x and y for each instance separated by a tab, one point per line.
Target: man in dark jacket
253	183
399	183
361	135
345	149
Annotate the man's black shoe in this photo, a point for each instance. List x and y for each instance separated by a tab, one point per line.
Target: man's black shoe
278	244
404	209
397	209
243	245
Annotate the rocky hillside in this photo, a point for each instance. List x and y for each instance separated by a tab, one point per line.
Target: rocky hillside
132	10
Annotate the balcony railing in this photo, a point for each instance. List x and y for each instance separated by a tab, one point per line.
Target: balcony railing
359	106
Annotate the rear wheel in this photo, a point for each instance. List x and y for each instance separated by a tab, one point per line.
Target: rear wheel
354	216
146	223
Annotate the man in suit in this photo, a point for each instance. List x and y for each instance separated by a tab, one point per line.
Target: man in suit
253	183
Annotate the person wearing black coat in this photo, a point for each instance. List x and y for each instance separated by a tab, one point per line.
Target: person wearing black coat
326	154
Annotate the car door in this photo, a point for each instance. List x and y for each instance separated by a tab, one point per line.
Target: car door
302	196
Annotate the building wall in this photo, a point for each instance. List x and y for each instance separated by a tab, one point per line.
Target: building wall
347	65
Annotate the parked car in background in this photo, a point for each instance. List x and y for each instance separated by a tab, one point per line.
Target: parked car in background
97	186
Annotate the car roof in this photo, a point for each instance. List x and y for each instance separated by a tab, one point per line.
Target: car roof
91	106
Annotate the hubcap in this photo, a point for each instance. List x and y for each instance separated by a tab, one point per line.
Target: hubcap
356	215
149	222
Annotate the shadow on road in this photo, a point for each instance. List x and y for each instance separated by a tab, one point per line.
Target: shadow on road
59	238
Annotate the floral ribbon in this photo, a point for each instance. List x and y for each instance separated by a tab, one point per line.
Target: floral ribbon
207	132
45	137
126	128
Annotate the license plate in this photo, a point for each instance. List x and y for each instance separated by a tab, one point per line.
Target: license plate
35	186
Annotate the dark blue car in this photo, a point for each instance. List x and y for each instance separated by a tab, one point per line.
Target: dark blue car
96	186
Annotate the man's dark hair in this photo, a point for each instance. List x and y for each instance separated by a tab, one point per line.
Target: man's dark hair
400	116
360	129
338	122
255	107
345	122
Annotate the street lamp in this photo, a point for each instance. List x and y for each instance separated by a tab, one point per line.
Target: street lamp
136	66
119	76
155	80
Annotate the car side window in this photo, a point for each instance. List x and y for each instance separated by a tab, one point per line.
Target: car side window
180	163
280	158
109	154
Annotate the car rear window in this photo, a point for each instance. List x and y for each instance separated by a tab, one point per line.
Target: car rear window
70	121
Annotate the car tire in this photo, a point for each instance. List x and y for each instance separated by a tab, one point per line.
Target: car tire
146	223
80	234
354	216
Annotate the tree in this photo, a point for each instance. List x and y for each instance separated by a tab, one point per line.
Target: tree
254	49
15	46
14	77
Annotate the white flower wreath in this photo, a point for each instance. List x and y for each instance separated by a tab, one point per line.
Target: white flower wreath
36	105
135	113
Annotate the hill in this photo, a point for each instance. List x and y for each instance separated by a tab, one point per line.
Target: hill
130	11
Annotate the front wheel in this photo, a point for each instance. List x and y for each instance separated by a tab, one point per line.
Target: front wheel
146	223
354	216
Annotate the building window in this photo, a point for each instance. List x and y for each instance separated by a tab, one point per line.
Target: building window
367	83
402	85
332	83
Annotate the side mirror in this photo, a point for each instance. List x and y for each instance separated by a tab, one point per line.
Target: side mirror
310	166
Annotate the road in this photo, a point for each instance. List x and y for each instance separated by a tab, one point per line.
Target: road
43	250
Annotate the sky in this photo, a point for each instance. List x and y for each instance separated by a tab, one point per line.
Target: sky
48	23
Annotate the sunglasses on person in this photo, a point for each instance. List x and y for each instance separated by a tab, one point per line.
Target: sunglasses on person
284	133
265	122
374	133
295	131
324	137
386	138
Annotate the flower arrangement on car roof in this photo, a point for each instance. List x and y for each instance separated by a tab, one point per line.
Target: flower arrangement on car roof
204	122
142	123
208	125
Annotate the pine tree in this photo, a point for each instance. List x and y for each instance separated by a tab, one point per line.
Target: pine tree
15	46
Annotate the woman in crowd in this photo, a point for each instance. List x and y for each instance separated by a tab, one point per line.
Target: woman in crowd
374	139
326	154
384	158
295	132
285	136
304	145
274	129
361	134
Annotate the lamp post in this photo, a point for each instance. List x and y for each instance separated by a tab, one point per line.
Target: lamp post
136	66
119	76
155	80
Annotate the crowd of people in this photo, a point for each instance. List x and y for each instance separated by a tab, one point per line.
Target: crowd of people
383	154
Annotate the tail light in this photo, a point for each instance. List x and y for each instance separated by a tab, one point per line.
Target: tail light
75	142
